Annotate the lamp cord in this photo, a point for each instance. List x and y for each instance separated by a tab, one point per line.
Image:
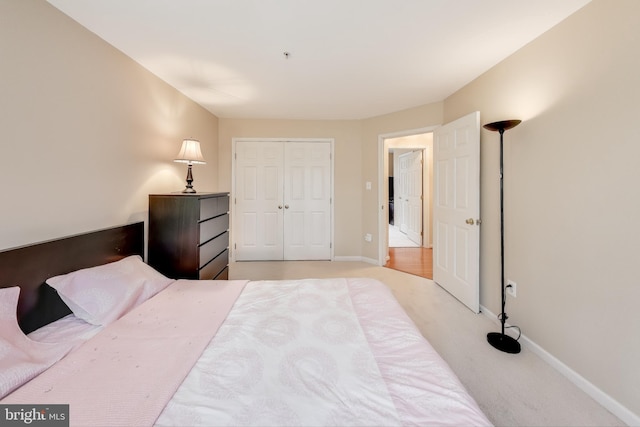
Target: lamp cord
503	320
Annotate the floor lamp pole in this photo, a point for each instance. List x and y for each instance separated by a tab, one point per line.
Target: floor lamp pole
500	340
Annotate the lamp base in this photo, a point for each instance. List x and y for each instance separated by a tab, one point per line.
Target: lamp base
503	342
189	188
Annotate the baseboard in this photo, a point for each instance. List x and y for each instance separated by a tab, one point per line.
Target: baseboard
355	259
615	407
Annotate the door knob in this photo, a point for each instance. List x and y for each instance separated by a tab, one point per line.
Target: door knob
286	206
470	221
279	206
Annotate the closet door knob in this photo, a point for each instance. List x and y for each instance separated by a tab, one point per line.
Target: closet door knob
279	206
286	206
470	221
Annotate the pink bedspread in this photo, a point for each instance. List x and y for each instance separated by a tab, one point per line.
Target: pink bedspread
309	352
126	374
425	391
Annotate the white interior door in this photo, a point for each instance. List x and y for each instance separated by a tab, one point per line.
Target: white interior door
414	196
258	224
456	210
307	198
409	199
402	202
282	200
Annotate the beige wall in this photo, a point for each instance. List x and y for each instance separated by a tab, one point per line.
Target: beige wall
355	163
86	133
347	166
571	191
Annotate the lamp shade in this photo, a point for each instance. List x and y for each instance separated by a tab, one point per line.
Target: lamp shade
190	152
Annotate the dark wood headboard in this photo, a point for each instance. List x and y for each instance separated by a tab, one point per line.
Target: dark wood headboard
30	266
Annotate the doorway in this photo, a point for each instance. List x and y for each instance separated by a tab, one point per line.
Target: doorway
407	175
454	194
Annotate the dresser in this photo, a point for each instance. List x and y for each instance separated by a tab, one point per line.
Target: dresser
189	235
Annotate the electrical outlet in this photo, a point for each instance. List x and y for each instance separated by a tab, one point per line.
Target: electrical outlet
511	288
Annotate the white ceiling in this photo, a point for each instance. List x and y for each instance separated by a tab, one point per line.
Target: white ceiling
348	59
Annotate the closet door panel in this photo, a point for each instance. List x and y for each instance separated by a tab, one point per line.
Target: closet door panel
258	201
307	192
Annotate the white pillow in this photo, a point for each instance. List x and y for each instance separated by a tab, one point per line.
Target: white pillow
100	295
21	358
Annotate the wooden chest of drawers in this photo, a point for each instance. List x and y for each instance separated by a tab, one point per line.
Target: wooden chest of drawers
189	235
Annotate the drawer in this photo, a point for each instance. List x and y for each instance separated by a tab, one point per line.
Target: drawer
213	206
223	275
213	227
223	204
211	270
212	248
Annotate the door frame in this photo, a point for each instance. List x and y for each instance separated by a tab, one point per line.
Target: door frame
383	191
234	142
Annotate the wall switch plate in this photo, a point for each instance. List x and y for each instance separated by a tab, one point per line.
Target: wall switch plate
511	288
367	185
368	237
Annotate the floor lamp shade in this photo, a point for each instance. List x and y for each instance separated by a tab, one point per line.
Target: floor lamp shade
500	340
190	153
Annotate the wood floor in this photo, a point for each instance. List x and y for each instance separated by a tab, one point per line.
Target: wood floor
416	261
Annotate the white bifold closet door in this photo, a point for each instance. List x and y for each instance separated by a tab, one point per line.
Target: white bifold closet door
282	206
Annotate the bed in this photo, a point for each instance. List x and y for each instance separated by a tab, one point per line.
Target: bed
86	323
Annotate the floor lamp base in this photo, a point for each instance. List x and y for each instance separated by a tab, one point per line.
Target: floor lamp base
503	342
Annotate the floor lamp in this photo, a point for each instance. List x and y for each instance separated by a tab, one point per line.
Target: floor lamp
500	340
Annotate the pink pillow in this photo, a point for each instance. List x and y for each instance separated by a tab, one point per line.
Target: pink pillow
21	358
99	295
